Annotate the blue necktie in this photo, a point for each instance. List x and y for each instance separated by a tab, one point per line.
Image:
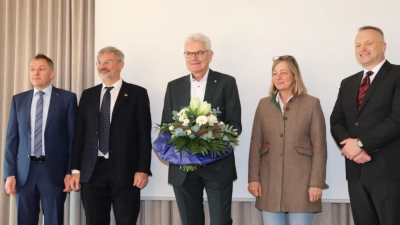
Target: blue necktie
104	122
38	125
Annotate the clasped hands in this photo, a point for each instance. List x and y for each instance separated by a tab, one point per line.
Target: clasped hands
352	152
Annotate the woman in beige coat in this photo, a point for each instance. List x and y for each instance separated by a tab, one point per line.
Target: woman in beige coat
287	162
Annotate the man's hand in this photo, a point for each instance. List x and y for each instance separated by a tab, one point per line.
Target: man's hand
362	158
67	185
10	186
350	149
140	180
255	188
314	193
75	181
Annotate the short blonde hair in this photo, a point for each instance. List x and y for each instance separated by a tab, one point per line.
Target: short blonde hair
298	84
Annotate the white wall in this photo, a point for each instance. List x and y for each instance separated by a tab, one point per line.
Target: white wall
245	36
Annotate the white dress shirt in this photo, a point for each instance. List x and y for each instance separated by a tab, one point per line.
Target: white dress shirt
46	103
198	88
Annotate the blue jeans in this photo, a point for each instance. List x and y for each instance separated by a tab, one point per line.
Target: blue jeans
272	218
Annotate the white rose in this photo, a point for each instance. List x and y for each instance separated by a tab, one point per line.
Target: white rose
201	120
171	128
185	122
188	132
212	120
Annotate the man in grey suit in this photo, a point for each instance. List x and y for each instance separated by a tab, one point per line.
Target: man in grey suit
217	178
38	146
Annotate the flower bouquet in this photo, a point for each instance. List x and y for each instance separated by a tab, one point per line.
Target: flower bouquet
196	137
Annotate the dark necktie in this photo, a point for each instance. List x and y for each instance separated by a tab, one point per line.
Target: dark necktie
363	88
104	122
37	150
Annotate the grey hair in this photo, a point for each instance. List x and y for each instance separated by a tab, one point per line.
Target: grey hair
198	37
120	55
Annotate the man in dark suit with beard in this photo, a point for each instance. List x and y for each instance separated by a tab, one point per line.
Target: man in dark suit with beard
112	144
365	123
217	178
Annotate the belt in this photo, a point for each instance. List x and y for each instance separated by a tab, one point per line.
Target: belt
36	159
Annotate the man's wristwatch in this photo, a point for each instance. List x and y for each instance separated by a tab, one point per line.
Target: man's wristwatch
359	143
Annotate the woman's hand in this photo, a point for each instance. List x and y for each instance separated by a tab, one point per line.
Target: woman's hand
255	188
315	194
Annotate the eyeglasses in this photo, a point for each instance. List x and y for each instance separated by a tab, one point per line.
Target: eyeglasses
198	54
283	57
105	63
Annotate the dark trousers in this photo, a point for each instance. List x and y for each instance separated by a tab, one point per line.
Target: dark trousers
189	197
39	188
99	193
375	202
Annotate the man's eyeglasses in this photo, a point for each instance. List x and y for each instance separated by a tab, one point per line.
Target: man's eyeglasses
198	54
105	63
283	57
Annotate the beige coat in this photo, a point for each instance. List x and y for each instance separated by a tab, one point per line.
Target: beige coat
288	154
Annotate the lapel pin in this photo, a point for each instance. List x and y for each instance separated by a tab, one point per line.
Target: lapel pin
215	81
126	95
57	94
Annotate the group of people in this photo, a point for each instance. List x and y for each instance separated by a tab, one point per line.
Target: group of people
103	147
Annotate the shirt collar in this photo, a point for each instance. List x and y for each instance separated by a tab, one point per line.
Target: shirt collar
376	68
203	80
47	91
117	85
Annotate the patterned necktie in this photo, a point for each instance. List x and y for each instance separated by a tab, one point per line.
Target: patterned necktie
104	122
38	126
363	89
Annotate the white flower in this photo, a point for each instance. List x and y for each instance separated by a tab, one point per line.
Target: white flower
171	128
212	120
181	119
221	123
195	103
204	108
188	132
185	122
201	120
182	114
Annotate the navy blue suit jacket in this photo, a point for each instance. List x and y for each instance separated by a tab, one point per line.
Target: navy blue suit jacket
130	134
58	134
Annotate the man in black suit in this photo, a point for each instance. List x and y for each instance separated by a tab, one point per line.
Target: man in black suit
217	178
112	144
365	123
38	146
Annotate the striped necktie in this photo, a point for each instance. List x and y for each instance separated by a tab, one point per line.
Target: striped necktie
363	89
38	125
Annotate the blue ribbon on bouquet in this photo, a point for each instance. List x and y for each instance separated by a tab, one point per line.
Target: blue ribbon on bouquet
168	153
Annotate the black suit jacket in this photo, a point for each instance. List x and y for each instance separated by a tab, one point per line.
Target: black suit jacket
222	92
376	124
130	134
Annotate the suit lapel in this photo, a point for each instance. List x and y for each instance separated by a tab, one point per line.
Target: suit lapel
54	101
26	109
185	90
211	85
122	96
385	69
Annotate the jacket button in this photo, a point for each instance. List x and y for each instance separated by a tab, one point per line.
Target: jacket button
281	154
95	147
287	108
356	124
285	117
281	135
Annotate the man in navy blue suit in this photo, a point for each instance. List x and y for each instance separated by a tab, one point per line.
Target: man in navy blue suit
38	146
